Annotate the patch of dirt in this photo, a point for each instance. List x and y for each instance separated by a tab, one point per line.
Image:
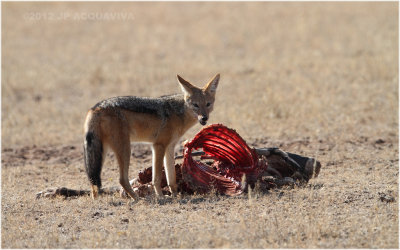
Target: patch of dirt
67	155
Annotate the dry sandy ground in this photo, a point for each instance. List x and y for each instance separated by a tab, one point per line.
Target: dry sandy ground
318	79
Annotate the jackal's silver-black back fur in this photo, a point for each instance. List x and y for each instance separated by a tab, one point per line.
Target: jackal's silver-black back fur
162	106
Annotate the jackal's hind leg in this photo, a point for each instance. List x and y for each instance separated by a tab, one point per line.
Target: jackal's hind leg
123	162
122	150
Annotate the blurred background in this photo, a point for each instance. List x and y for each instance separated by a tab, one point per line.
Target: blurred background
288	70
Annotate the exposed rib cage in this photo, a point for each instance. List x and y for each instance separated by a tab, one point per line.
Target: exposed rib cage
232	157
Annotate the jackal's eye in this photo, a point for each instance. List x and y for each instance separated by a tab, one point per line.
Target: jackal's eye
195	105
208	104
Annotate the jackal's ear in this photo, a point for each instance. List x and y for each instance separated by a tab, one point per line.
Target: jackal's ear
185	85
211	86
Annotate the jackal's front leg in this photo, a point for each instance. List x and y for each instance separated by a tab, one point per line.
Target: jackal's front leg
158	154
170	169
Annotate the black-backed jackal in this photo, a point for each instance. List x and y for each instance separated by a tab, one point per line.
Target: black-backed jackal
113	123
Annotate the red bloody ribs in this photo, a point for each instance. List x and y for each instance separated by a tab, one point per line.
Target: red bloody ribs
233	159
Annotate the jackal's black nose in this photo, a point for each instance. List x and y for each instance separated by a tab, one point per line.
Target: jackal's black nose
203	120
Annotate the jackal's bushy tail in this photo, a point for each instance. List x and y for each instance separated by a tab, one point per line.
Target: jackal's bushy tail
93	150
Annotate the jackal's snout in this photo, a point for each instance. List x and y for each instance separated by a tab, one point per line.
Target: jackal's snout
203	119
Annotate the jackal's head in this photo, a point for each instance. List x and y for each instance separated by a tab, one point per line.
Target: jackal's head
200	100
